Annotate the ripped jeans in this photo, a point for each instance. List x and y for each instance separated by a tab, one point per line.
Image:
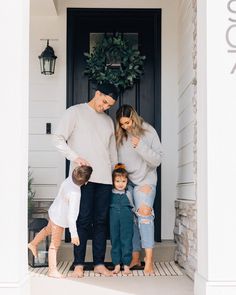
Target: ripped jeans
143	225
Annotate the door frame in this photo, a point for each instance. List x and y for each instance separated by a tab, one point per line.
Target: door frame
72	16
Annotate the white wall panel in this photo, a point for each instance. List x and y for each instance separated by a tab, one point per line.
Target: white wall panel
45	191
186	191
45	175
186	154
44	159
41	143
186	173
186	135
185	185
38	125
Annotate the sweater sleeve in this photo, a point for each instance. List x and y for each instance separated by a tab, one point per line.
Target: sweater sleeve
152	153
113	149
63	133
73	212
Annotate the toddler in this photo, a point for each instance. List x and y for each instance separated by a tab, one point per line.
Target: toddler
62	213
121	220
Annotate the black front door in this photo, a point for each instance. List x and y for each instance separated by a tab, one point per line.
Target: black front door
83	25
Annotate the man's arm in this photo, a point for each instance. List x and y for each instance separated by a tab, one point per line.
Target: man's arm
113	149
63	133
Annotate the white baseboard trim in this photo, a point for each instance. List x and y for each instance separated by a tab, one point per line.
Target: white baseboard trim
204	287
16	288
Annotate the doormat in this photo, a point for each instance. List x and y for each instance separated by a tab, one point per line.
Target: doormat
88	266
169	268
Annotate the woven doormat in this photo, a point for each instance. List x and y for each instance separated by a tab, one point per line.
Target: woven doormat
169	268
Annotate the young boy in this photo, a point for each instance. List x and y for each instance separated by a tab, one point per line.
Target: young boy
63	213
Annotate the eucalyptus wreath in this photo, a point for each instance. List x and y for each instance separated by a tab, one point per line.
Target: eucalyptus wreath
115	61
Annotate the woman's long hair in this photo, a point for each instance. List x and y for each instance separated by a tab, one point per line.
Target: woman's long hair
129	112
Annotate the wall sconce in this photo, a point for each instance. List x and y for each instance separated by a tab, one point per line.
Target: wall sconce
47	60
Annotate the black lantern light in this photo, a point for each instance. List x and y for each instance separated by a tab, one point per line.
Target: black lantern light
47	60
42	259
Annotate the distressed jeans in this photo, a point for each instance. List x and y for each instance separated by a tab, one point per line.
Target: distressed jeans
143	225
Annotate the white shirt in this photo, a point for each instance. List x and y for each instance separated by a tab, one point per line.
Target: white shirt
64	210
83	132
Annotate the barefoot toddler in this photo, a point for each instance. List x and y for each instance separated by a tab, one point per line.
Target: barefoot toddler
62	213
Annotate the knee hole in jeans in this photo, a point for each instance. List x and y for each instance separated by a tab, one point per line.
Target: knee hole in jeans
146	188
145	221
144	210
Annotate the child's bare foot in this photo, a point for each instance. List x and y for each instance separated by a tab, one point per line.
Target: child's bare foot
33	249
135	260
116	269
55	274
126	270
101	269
78	272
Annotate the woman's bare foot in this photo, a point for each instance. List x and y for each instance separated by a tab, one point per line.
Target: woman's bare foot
78	272
101	269
116	269
55	274
126	270
148	269
33	249
135	259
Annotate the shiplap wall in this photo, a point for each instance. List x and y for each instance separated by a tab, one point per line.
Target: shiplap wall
47	102
186	115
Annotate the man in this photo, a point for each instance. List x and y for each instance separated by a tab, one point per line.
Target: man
85	136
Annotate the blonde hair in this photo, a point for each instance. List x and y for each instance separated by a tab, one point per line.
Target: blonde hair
81	174
129	112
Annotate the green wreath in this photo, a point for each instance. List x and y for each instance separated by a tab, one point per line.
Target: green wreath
113	60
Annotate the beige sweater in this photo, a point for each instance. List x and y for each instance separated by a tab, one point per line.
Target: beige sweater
83	132
141	162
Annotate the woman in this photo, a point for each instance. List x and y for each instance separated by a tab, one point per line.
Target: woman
139	148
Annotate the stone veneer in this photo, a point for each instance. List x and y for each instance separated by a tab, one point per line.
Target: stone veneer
185	235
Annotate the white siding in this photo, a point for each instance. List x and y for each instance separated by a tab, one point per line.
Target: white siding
186	116
47	102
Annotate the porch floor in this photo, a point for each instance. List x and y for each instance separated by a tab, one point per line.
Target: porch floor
168	280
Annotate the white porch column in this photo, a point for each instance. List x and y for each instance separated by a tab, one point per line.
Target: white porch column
14	31
216	273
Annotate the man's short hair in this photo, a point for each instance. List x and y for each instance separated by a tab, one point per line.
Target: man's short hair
109	89
81	174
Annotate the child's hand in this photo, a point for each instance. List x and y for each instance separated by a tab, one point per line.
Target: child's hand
75	241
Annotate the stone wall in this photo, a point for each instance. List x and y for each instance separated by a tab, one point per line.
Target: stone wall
185	235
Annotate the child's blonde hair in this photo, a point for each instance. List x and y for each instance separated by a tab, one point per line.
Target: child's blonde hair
81	174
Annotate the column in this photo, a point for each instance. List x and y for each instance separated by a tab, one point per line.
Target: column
216	195
14	32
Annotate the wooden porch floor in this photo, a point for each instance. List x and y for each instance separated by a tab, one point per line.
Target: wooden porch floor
161	269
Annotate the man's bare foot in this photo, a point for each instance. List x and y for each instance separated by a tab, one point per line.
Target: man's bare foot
148	269
55	274
116	269
78	272
101	269
33	249
126	270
